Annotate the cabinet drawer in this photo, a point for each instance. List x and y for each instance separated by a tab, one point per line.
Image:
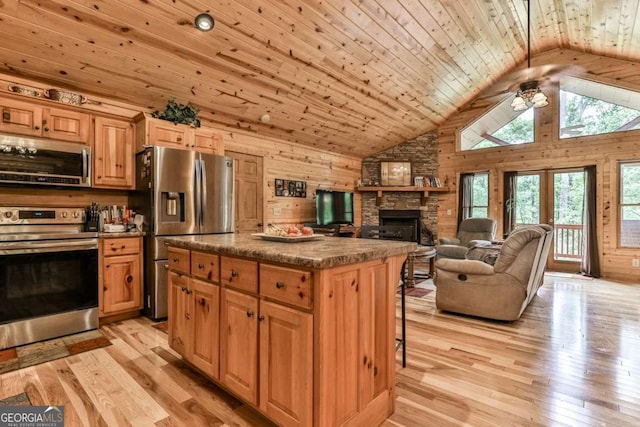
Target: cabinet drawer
121	246
179	259
288	285
239	273
205	266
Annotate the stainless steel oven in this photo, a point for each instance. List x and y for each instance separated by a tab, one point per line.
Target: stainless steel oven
48	274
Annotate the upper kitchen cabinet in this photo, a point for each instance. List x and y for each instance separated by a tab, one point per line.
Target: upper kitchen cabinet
151	131
113	165
29	118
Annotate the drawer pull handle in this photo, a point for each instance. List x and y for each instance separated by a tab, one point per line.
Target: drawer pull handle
46	129
279	285
6	117
175	260
129	279
123	246
234	273
200	266
201	302
260	318
189	292
184	289
250	313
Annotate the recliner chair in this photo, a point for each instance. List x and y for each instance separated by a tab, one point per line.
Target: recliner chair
472	232
502	291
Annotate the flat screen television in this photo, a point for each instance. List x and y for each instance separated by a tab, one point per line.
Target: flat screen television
334	207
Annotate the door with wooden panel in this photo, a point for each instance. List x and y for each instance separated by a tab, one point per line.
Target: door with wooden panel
286	364
66	125
239	344
122	283
179	312
248	192
205	327
113	153
20	117
208	141
167	134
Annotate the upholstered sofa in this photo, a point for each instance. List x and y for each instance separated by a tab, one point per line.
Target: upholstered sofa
472	232
501	291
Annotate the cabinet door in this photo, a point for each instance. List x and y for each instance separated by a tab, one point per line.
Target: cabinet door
113	157
208	141
20	117
122	283
65	125
239	344
179	313
286	364
205	330
162	132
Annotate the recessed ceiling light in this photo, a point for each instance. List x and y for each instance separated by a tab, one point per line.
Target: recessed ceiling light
265	118
204	22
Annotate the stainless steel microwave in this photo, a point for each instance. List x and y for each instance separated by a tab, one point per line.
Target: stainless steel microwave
26	160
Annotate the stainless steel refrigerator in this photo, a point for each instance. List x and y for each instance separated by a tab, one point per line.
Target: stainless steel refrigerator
180	193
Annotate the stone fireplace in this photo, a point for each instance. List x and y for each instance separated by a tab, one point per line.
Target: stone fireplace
407	207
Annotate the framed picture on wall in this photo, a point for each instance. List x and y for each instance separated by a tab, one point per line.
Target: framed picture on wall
395	173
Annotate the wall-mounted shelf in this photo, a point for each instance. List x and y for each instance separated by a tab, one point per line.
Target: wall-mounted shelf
424	190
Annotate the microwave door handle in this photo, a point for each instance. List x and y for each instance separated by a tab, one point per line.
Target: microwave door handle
85	165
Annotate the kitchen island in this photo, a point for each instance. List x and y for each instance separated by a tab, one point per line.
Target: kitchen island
304	332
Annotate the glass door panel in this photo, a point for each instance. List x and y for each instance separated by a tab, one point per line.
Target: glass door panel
567	203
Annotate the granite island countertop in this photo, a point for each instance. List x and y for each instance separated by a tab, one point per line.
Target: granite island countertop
326	252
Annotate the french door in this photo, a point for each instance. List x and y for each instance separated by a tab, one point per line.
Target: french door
554	197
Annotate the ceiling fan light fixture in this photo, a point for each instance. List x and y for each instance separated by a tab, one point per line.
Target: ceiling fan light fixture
529	94
204	22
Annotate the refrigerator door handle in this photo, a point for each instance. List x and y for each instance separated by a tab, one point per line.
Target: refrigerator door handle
197	199
203	192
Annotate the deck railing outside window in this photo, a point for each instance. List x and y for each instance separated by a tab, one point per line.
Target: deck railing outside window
568	242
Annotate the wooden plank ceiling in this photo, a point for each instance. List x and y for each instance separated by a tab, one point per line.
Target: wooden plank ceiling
353	77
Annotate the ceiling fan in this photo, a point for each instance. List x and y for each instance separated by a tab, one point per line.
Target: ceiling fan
527	82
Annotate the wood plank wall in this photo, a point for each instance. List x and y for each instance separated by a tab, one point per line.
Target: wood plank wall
282	159
550	152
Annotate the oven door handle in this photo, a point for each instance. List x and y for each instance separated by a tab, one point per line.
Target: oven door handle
19	248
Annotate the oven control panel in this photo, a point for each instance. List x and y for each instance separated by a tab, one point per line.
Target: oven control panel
31	215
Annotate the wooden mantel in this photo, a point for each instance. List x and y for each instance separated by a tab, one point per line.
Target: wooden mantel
424	190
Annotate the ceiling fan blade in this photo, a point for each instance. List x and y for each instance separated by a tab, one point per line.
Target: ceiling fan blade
510	82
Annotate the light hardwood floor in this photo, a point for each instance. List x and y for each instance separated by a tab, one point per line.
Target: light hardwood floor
573	359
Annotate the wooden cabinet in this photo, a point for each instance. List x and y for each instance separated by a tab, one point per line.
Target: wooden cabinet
178	312
152	131
27	118
239	344
207	141
113	165
306	347
286	364
120	275
194	307
204	335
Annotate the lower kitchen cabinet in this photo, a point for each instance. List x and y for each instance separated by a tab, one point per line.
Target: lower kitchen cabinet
204	322
304	347
193	322
239	344
121	278
286	364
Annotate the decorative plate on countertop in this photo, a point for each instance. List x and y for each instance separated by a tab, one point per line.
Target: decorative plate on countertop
288	239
